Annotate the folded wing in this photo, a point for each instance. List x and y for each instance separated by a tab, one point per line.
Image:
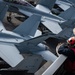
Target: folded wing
10	54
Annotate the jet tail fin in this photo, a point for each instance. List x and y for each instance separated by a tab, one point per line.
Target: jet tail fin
68	14
68	24
38	39
29	26
65	33
47	55
3	10
47	3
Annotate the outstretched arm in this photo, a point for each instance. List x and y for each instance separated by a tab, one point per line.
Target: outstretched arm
66	51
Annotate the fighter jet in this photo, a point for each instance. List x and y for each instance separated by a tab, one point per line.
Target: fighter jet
42	8
22	39
67	28
7	52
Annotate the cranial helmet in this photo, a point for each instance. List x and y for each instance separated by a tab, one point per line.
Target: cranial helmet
71	41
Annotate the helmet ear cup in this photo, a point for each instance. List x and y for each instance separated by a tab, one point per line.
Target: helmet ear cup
70	41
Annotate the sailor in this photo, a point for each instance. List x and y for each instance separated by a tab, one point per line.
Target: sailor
68	49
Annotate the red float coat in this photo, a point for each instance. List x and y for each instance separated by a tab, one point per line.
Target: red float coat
70	65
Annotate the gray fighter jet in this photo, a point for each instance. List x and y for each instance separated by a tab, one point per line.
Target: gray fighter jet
43	9
22	39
